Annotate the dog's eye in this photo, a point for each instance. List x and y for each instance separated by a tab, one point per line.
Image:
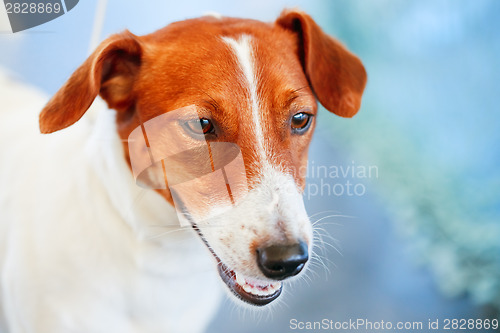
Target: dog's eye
300	122
204	125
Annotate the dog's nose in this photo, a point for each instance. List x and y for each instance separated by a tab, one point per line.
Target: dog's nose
281	261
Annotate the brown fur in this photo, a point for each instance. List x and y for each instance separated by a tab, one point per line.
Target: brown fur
187	63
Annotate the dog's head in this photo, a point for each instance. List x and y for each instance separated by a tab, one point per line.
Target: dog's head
250	84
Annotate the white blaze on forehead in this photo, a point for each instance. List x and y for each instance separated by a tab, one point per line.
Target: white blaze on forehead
242	47
213	14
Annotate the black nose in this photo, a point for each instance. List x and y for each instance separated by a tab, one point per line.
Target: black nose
281	261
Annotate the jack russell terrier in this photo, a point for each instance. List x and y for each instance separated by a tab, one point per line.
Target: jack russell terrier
213	116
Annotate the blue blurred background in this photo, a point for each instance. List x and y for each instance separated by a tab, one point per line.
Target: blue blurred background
423	239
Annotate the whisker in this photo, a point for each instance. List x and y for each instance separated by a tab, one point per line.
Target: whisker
322	212
168	233
333	215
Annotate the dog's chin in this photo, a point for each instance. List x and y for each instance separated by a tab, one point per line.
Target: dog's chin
251	291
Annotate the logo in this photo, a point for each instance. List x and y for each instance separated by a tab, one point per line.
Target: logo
26	14
203	177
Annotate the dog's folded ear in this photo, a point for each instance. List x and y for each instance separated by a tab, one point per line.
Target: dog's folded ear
108	71
336	76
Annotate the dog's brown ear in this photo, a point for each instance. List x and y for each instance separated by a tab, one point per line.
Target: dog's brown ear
109	71
337	76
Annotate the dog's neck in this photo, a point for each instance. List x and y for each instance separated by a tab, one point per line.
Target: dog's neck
145	211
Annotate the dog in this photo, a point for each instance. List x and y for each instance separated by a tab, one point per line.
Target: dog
84	247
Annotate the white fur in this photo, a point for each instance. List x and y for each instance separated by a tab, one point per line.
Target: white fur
78	251
79	245
215	15
243	51
274	210
271	213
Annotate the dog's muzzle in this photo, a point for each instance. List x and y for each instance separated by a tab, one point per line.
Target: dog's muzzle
276	262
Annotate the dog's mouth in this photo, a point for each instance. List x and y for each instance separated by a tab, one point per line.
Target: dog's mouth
249	290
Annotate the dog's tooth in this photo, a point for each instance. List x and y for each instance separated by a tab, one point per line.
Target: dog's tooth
240	280
273	288
247	288
254	291
260	292
269	292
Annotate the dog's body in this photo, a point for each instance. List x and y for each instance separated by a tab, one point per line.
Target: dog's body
79	241
64	272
